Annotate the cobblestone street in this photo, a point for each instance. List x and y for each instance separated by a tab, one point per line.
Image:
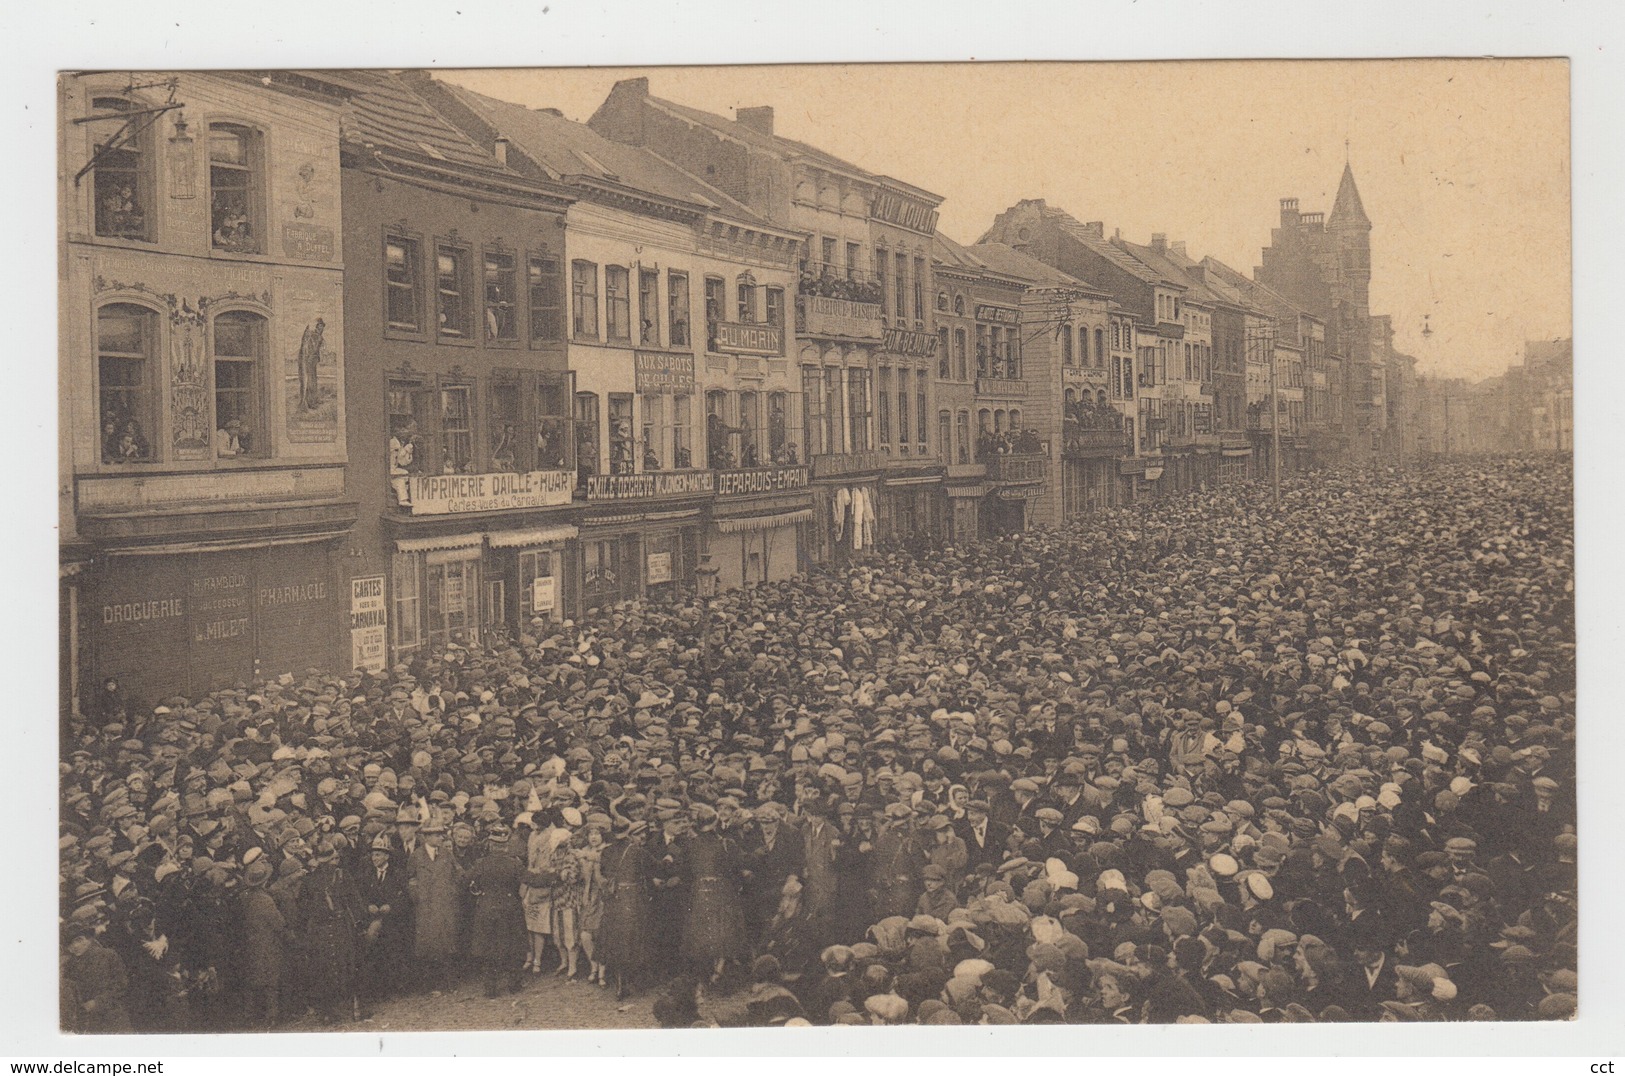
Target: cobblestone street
543	1002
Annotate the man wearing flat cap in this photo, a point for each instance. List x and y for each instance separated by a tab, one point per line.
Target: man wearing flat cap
388	933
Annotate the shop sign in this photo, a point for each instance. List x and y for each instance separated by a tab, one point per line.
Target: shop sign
659	568
661	371
761	480
221	611
307	242
910	343
1001	314
544	594
453	494
749	338
369	620
634	487
907	213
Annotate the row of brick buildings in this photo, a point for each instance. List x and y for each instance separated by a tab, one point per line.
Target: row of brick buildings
1530	408
356	364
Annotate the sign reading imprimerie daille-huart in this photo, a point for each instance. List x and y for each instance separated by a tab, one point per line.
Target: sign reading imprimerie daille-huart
449	494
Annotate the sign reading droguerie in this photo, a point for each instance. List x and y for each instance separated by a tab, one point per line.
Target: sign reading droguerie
452	494
660	371
369	621
749	338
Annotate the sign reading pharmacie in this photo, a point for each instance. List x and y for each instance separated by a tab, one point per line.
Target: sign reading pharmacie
454	494
750	338
634	487
663	371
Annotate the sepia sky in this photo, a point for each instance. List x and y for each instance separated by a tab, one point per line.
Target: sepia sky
1463	165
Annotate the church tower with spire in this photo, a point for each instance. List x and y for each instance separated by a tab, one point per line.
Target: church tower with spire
1322	262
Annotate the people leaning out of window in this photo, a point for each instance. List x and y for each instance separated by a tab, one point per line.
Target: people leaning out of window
231	439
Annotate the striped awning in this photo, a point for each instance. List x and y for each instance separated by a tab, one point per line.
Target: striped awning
531	536
223	545
762	523
438	542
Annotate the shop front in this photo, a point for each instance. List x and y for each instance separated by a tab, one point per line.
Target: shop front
756	532
187	618
911	508
641	535
475	556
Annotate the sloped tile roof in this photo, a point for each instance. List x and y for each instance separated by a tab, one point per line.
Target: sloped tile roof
566	148
385	112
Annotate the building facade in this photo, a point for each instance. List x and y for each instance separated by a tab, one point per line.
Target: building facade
689	429
203	512
865	338
464	460
1323	264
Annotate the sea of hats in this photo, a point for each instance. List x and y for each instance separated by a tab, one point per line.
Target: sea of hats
1206	758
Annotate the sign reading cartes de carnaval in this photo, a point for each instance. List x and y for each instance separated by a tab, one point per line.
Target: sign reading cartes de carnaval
369	621
659	371
452	494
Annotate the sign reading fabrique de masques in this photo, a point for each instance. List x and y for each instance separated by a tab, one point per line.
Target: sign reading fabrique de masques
452	494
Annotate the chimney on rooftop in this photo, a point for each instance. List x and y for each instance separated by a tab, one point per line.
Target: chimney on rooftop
1178	247
1289	212
1096	228
758	119
1159	241
501	150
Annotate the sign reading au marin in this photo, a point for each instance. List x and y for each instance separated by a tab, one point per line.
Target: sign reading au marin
660	371
746	338
452	494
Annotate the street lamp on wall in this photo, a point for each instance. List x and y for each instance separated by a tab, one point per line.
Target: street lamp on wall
182	161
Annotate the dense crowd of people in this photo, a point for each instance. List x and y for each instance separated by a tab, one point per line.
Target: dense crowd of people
1207	758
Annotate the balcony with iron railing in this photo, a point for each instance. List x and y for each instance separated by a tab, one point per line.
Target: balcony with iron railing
839	464
1016	468
1080	443
822	315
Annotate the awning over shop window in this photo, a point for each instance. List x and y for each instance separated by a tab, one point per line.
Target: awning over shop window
438	542
762	523
531	536
222	545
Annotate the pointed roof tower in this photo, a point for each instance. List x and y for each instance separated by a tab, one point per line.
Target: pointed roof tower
1347	210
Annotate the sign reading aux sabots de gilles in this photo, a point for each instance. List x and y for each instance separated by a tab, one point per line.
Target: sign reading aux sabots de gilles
453	494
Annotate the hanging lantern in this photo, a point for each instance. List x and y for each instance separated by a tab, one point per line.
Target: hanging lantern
182	161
